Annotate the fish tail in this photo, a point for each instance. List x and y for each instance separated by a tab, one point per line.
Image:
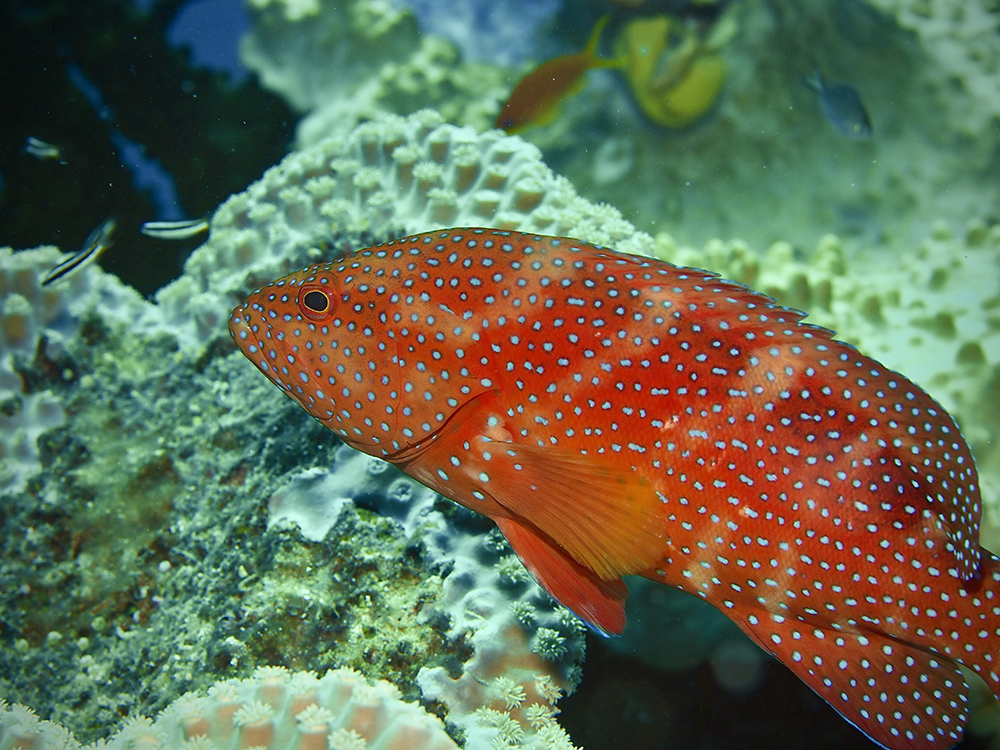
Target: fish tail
814	81
595	36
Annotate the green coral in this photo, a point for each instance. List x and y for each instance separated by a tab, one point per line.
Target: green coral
139	565
511	693
550	644
524	612
511	570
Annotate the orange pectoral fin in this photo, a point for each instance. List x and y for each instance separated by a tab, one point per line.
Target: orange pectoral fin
579	522
604	514
599	510
599	603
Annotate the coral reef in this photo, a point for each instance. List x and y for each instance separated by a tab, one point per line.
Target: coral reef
37	321
928	313
765	151
146	516
142	561
389	177
518	638
344	63
172	524
765	167
273	709
398	176
961	42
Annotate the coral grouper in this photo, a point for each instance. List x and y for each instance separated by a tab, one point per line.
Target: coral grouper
619	415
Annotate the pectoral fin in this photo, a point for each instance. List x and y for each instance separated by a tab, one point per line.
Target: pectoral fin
579	522
598	602
604	514
598	509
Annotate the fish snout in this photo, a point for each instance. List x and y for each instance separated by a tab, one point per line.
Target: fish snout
244	332
239	328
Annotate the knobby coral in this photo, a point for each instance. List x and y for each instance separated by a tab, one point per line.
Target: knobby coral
274	709
400	175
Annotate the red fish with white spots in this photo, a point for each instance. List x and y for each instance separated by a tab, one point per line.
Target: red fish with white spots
618	415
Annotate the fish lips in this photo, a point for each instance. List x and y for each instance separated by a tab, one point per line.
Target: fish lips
246	323
242	323
242	334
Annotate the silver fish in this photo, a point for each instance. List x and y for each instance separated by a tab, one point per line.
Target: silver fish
97	242
842	106
174	230
41	150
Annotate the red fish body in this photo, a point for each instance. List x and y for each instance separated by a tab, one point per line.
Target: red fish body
619	415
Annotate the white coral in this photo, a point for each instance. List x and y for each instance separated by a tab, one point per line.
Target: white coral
395	174
394	723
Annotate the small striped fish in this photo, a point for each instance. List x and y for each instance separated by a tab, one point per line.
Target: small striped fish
175	230
96	243
619	415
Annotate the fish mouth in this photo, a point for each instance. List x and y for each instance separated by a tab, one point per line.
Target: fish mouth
239	330
246	341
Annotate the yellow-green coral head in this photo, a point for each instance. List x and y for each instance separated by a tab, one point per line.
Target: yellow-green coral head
674	75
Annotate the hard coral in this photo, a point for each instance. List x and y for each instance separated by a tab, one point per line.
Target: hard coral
32	315
388	177
274	709
483	593
230	593
344	63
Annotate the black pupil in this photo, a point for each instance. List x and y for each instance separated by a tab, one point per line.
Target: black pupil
316	301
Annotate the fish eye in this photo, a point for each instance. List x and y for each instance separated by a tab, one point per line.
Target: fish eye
315	302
